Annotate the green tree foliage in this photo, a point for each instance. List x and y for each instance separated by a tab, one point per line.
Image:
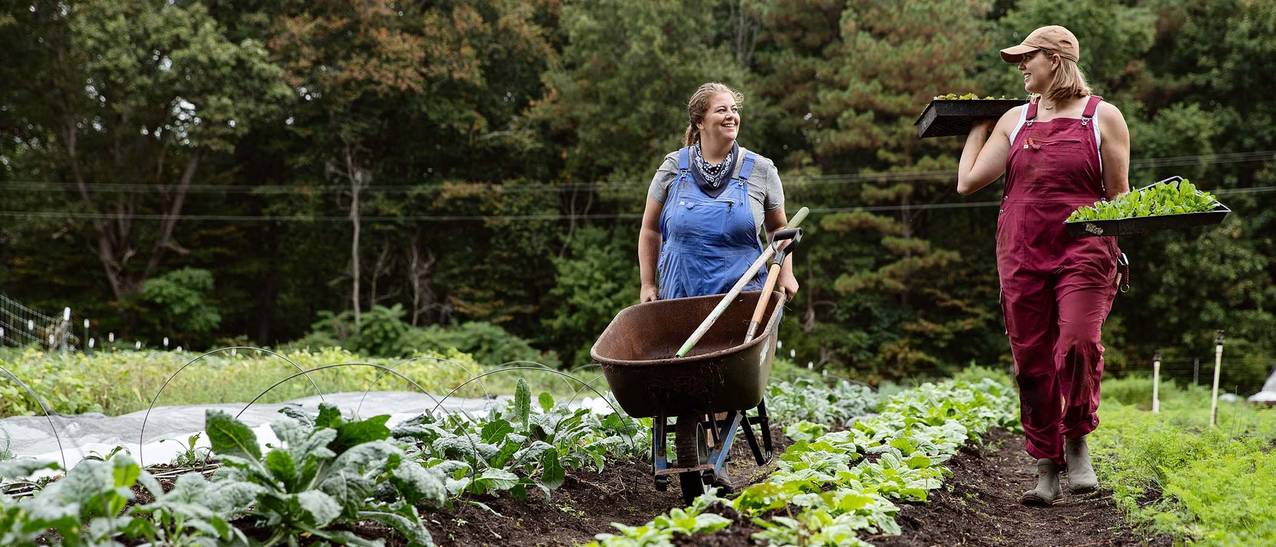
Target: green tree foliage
181	302
594	282
884	279
448	153
136	93
618	100
382	332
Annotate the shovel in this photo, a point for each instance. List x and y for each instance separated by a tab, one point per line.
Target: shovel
794	236
739	286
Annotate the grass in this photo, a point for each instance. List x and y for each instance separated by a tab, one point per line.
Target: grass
121	382
1173	474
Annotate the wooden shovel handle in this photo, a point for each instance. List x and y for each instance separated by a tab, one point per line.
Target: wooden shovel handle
772	275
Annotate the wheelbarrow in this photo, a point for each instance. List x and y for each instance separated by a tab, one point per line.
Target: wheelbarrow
724	373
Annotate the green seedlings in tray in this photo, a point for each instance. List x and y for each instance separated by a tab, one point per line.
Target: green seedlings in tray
970	97
1169	198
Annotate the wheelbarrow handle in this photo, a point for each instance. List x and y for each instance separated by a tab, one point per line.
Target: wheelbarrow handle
735	290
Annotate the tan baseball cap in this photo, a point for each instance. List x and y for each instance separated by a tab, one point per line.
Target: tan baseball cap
1053	37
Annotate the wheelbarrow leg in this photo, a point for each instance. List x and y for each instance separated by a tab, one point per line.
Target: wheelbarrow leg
753	439
659	451
764	422
718	456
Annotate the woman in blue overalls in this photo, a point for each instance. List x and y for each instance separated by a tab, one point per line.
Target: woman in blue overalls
700	227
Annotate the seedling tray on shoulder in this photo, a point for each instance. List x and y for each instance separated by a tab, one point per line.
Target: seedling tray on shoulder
948	117
1139	225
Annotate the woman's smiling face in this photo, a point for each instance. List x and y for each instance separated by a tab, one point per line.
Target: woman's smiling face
722	120
1038	71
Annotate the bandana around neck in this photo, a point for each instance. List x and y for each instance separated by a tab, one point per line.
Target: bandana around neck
711	177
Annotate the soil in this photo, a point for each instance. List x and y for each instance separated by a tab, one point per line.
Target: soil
584	506
979	505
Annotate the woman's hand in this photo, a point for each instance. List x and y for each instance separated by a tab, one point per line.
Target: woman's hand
648	293
788	283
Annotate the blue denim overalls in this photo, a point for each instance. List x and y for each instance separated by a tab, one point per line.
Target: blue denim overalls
707	243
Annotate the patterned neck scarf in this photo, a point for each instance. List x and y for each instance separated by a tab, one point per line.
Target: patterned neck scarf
712	176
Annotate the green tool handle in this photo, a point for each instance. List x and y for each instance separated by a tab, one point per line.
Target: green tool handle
735	291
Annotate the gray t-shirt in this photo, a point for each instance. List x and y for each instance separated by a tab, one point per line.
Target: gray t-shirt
765	191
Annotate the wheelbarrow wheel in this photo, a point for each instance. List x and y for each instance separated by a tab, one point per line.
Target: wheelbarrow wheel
692	451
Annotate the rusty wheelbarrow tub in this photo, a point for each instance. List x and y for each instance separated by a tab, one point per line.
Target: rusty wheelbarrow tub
723	374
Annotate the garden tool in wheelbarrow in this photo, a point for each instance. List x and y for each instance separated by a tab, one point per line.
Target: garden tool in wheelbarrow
717	370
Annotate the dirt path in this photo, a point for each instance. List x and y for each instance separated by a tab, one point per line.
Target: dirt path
979	505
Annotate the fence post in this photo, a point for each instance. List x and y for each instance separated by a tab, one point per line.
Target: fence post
1156	382
1196	371
1218	362
65	328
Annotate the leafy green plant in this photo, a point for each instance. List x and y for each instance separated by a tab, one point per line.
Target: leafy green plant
194	512
85	507
522	446
191	455
838	484
329	472
664	528
1172	473
810	400
1165	198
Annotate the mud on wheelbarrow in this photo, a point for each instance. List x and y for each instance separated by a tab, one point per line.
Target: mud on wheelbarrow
723	374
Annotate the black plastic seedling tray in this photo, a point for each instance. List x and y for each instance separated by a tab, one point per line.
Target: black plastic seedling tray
948	117
1139	225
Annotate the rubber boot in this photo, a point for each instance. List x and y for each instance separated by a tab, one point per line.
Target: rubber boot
1047	490
1081	477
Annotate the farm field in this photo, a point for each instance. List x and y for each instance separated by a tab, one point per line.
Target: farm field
125	381
605	273
910	466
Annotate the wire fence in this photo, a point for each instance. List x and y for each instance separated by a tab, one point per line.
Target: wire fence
23	326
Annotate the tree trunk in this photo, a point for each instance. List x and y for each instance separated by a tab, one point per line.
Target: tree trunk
419	270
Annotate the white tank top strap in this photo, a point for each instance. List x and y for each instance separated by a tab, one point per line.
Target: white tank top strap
1093	121
1023	116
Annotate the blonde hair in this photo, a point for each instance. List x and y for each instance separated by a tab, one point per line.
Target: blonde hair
1068	82
699	105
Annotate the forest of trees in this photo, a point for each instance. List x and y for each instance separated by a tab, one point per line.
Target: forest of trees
229	169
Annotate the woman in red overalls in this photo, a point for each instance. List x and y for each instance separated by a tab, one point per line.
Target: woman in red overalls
1064	149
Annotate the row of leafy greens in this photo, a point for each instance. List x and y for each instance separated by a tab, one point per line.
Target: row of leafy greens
836	485
327	476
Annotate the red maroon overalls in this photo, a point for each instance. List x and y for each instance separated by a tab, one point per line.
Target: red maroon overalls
1056	290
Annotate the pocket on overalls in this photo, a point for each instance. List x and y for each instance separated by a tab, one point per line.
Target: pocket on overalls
1001	227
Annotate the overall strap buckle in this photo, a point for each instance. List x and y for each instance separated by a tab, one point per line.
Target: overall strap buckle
1091	108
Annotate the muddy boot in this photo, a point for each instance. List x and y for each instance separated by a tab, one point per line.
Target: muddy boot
1081	477
1047	490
